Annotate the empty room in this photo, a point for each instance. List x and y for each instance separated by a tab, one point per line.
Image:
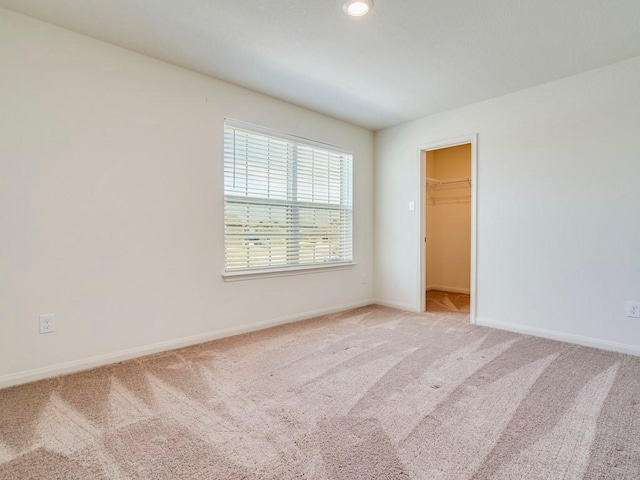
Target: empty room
337	239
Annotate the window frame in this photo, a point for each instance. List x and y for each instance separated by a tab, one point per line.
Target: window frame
287	269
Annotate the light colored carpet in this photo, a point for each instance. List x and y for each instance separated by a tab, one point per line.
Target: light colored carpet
441	301
373	393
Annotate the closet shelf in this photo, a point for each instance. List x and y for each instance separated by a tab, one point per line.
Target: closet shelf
448	181
446	200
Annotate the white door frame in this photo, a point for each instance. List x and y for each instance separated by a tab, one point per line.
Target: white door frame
422	217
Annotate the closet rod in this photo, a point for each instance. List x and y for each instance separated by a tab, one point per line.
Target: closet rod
448	181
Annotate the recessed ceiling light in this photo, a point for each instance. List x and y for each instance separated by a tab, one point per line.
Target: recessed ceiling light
358	8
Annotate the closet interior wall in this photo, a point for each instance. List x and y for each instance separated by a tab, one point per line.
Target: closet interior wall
449	219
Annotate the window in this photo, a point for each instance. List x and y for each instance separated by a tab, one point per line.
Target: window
287	201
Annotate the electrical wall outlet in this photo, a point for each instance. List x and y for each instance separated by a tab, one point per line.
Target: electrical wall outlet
633	309
47	323
364	279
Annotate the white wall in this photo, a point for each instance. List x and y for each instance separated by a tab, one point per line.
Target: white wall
111	205
558	206
448	221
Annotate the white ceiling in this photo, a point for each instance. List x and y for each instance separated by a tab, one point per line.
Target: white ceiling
408	59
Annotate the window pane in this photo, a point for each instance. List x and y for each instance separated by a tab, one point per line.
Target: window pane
287	202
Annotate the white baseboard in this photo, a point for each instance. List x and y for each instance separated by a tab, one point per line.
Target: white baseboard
106	359
561	336
398	305
449	289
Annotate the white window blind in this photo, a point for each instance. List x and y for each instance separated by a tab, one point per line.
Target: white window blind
287	201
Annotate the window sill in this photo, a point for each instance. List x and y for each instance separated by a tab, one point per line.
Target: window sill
284	272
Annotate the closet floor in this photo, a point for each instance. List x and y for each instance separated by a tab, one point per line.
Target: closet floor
439	301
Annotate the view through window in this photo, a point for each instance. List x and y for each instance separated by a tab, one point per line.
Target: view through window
287	201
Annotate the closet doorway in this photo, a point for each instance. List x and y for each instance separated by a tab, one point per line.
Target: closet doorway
448	177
